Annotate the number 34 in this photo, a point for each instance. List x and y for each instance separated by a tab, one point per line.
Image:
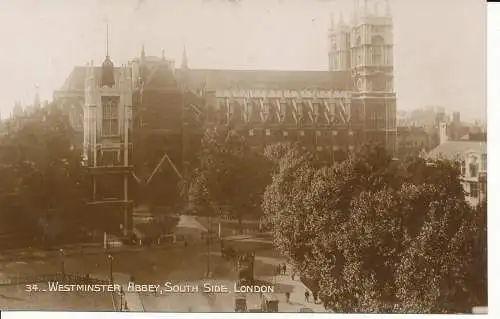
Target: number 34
31	287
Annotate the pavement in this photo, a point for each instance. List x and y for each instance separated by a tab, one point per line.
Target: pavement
186	221
297	297
132	298
284	283
266	261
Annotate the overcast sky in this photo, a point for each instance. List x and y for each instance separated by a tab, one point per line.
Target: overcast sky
439	44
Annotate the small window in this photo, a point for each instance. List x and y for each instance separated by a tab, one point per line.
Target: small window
462	168
110	157
109	116
109	127
473	170
378	49
474	190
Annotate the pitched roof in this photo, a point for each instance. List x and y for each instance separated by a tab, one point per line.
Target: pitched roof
222	79
269	79
453	149
160	77
76	79
479	137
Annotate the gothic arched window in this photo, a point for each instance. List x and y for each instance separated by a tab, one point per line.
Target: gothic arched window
334	57
378	47
110	116
473	167
378	83
358	49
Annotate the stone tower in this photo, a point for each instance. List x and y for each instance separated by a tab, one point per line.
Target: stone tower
365	48
339	35
107	123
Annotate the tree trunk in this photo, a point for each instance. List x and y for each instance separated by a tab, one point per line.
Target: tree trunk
240	223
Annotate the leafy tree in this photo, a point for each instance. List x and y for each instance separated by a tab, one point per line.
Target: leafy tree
478	275
374	234
42	173
230	176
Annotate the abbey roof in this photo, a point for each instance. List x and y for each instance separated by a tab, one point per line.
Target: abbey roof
225	79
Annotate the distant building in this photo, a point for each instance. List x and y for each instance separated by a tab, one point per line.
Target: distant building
411	140
457	130
3	127
472	154
21	115
17	111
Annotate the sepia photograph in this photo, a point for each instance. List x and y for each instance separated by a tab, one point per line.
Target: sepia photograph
229	156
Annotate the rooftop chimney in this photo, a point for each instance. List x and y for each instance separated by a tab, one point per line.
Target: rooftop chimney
443	136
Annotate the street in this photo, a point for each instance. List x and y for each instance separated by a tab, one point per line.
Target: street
187	265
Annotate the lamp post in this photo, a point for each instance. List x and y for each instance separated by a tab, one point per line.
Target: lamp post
110	267
61	252
208	256
121	298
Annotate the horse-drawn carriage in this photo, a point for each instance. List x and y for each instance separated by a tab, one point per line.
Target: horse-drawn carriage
228	253
269	303
243	262
240	303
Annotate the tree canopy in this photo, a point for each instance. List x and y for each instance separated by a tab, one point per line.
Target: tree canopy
41	177
230	178
374	234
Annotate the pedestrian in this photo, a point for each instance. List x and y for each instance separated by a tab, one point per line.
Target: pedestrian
293	275
287	294
284	269
315	296
307	294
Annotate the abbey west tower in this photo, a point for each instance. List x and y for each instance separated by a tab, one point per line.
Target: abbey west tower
364	46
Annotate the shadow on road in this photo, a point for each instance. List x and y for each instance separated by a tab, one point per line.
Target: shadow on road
10	298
